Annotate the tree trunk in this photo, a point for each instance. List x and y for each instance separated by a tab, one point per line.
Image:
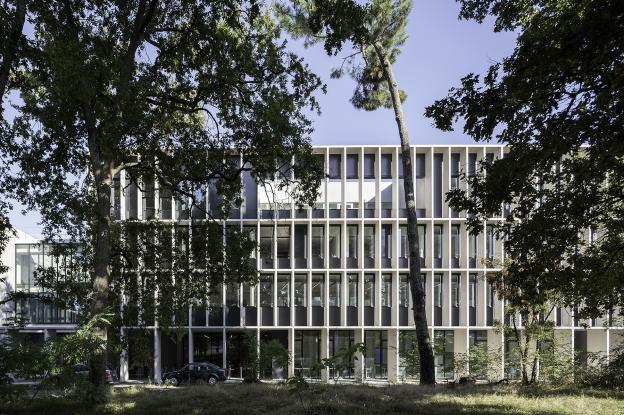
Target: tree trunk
525	351
427	364
10	46
102	174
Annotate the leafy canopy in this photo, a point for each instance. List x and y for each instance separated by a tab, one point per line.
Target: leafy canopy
347	24
177	97
558	102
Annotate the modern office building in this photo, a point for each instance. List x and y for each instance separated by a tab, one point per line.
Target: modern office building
23	255
336	274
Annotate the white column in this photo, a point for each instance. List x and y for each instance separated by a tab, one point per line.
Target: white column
224	346
291	349
157	350
359	361
123	361
324	352
460	342
191	349
393	355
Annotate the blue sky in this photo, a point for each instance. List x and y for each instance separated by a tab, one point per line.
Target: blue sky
439	51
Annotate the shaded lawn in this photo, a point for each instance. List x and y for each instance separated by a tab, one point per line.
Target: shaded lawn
235	399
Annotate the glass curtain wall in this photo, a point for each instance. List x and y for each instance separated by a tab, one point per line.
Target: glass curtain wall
352	246
307	353
376	356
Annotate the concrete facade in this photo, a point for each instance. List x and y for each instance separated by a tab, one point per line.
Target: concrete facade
336	275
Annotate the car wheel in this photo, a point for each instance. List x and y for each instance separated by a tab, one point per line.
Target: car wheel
173	381
212	380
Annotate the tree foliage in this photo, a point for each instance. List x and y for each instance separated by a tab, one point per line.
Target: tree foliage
345	25
343	360
480	363
12	18
176	97
557	102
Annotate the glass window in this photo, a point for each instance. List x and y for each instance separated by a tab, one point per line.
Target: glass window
403	247
420	166
318	290
455	241
334	241
182	209
369	241
318	241
216	295
320	159
283	241
301	283
369	166
36	261
386	241
283	290
266	242
307	351
489	247
478	338
403	290
386	290
335	166
472	168
437	290
375	359
334	290
164	196
422	238
369	290
472	164
455	284
352	166
455	171
249	295
472	290
386	166
422	196
490	295
149	201
131	194
199	203
444	353
22	265
301	247
251	231
437	241
352	249
353	290
231	295
266	291
473	245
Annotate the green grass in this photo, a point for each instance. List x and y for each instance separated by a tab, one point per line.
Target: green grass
235	399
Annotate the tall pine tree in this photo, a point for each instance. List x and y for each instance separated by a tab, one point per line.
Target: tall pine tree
376	31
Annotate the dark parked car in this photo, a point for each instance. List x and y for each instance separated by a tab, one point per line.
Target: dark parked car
82	369
195	372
